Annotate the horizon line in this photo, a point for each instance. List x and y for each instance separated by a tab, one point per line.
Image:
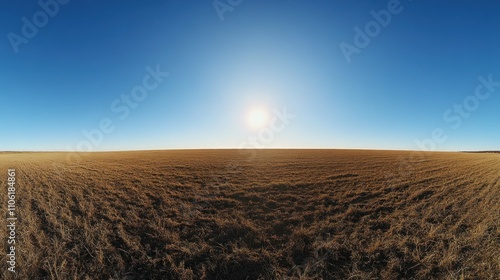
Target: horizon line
232	148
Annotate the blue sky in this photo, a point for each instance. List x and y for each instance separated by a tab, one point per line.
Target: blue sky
59	86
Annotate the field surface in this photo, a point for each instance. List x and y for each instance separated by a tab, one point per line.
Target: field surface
274	214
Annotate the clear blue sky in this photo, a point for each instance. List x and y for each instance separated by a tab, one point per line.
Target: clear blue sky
263	54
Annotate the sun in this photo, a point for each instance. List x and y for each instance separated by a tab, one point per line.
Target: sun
258	118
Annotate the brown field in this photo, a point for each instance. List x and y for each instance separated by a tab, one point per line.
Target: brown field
283	214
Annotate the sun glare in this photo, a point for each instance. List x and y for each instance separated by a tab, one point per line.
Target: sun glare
258	118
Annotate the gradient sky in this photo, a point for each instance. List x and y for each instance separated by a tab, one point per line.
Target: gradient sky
266	54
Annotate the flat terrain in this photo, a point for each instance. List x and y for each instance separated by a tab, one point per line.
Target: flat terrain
277	214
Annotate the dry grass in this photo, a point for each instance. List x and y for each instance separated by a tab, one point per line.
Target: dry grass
284	214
